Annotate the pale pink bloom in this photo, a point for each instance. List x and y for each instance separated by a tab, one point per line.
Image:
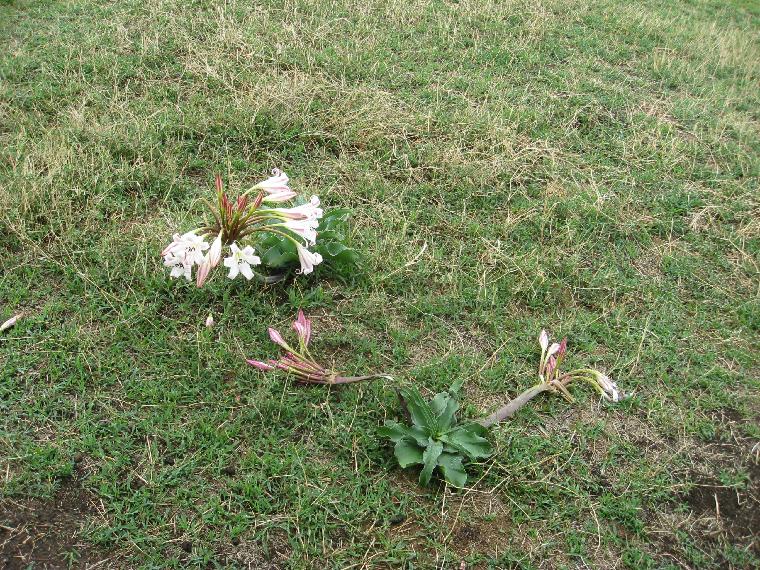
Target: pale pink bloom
279	196
308	211
553	349
307	229
308	259
302	326
203	270
551	365
210	260
543	340
9	323
299	363
260	365
215	253
278	182
209	321
277	338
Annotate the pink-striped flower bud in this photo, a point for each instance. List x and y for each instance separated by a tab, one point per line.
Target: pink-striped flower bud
277	338
302	326
260	365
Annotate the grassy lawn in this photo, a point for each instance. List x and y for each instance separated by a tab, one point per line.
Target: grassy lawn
588	167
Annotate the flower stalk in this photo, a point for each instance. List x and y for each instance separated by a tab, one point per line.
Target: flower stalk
298	361
551	380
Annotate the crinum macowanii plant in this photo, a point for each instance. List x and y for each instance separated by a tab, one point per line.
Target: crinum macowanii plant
256	233
553	380
433	438
299	362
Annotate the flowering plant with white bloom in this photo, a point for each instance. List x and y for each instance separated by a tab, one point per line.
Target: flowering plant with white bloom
548	370
431	437
554	381
250	232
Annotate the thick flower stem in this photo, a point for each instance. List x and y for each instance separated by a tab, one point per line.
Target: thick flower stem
352	379
507	411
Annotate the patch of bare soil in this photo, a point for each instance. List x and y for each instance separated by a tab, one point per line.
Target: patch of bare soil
249	555
727	513
44	533
715	514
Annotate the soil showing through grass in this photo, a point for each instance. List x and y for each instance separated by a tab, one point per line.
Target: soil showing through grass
44	533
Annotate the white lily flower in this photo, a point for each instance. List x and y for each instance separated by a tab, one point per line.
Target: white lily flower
278	182
188	245
308	259
169	248
185	251
307	229
180	265
240	261
209	321
608	388
308	211
10	322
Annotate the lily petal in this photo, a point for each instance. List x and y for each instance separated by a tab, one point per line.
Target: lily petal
9	323
543	340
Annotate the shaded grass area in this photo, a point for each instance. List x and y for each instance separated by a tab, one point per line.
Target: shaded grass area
591	169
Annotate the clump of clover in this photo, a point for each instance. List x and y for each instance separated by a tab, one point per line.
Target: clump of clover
254	233
435	440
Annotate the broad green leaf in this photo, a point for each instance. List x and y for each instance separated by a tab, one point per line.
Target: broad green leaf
467	440
396	431
408	453
336	252
420	435
281	253
276	257
269	240
334	218
446	417
335	248
453	472
456	386
419	409
476	428
438	403
430	460
325	236
444	407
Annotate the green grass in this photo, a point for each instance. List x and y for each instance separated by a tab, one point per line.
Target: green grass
591	168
